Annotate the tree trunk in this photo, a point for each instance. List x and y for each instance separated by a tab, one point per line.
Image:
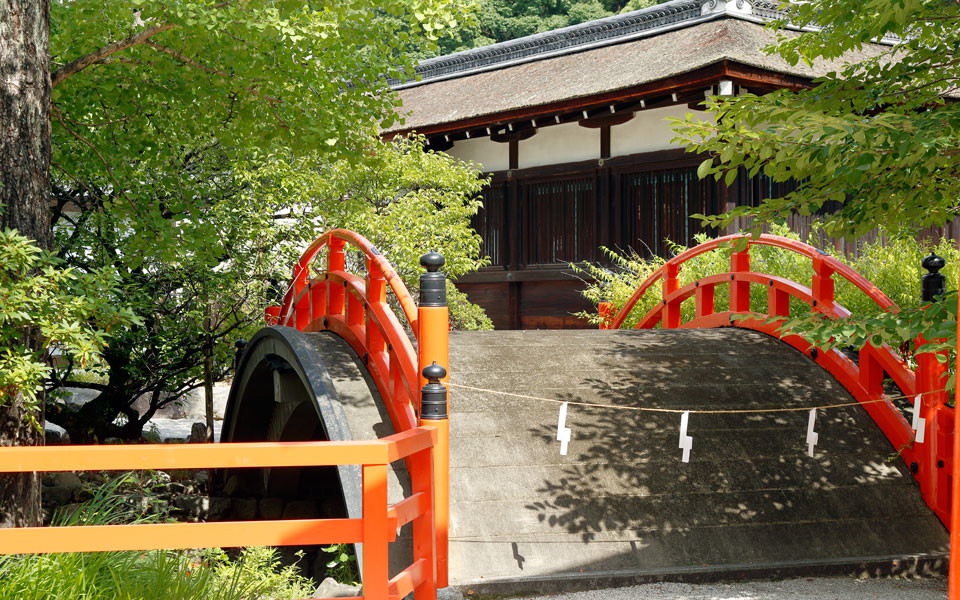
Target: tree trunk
25	150
25	154
19	492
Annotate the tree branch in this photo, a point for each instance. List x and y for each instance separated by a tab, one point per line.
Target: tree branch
189	61
75	66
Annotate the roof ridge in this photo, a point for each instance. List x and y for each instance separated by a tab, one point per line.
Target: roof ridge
600	32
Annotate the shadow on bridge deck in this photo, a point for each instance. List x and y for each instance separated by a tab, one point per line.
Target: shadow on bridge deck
621	507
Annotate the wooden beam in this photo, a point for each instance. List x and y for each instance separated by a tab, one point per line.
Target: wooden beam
512	136
605	120
438	144
605	141
662	159
514	154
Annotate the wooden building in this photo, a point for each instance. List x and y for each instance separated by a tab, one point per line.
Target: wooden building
572	125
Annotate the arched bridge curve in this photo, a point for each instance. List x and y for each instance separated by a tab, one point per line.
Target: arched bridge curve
619	506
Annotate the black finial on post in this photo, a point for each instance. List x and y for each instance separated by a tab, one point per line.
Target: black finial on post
239	345
933	285
433	283
433	396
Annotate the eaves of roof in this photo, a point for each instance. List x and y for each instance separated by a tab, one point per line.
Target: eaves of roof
602	74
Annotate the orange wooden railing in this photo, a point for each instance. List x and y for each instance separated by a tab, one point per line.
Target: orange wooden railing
356	309
931	461
375	530
330	298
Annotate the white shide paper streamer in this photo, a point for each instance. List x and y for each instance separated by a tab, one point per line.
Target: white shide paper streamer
686	441
563	432
812	436
919	424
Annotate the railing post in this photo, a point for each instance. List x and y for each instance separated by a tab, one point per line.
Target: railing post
671	283
704	300
424	526
376	294
608	311
740	290
937	448
434	351
376	572
954	571
823	285
433	413
336	261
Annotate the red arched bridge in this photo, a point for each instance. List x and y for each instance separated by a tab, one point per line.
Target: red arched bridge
343	399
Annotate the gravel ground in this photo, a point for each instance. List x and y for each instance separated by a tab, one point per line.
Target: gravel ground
826	588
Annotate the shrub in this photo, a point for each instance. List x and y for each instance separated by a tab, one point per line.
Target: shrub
893	264
154	575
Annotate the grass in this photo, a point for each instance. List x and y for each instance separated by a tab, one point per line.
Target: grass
154	575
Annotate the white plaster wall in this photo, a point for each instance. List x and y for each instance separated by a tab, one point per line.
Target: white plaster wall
649	130
492	156
559	144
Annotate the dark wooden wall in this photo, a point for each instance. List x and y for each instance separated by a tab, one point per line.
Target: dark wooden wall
535	222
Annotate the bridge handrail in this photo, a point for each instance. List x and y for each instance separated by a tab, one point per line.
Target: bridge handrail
301	270
928	449
375	530
831	265
356	309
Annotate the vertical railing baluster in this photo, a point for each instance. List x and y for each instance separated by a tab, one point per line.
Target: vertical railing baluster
822	284
739	290
778	302
705	300
376	294
671	309
375	546
871	372
336	263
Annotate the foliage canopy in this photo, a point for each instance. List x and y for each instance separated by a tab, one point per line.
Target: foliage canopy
48	309
878	137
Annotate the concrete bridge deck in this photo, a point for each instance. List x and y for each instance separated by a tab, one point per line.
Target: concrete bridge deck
621	506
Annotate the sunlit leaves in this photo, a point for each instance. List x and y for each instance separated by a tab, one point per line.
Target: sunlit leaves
875	136
47	312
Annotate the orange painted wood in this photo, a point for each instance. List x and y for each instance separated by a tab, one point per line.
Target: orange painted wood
170	536
954	571
778	302
865	382
407	580
607	311
739	289
441	495
434	339
424	526
671	308
196	456
375	527
705	304
871	371
407	510
823	284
